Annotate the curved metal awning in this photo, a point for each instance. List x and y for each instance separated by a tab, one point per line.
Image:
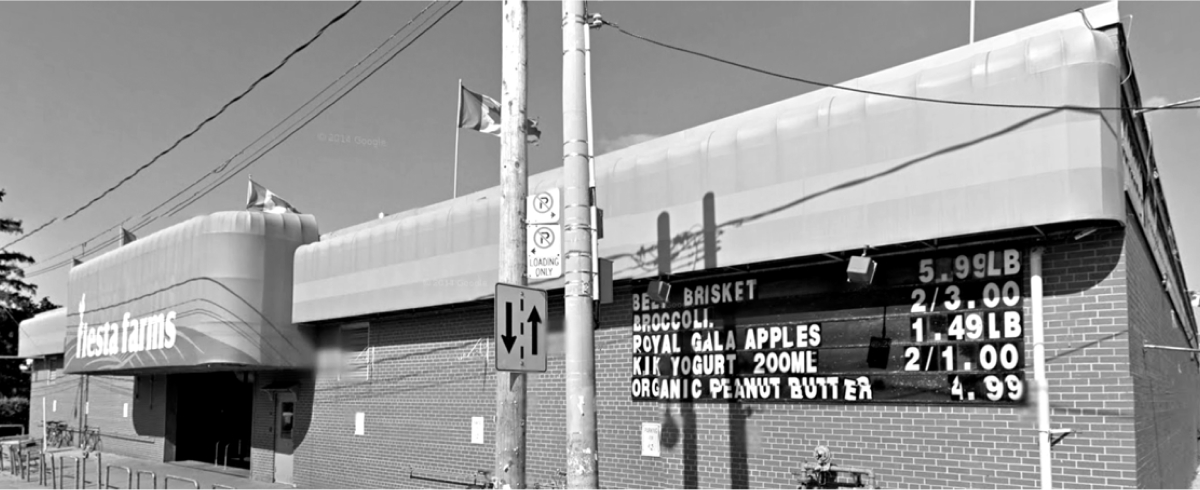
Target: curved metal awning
42	335
822	172
209	293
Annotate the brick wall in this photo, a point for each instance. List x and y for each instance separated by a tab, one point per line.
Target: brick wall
1085	311
137	432
432	373
262	438
1165	382
61	395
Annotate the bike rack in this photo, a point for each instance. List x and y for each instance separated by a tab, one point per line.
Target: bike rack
221	486
108	475
226	465
40	459
83	472
167	481
62	474
153	478
12	460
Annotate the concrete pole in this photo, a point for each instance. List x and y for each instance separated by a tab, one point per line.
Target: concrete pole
577	216
510	387
1039	367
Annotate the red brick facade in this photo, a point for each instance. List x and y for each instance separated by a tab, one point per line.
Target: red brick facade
1132	411
432	373
1164	382
137	430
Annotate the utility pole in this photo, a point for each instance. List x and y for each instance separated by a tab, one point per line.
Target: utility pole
582	448
510	387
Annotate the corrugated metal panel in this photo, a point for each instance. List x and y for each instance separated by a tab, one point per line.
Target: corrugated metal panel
211	290
825	171
42	335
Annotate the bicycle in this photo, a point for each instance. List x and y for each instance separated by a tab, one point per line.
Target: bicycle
58	434
90	442
559	480
486	477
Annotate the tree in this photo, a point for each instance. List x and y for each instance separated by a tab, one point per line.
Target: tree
16	305
15	293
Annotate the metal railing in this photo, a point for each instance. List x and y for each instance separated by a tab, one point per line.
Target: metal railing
14	426
108	475
168	478
220	449
62	473
153	478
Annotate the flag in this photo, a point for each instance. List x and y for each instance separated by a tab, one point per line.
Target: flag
482	113
127	237
259	198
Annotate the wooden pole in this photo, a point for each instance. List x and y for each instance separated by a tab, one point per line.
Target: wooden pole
510	387
582	454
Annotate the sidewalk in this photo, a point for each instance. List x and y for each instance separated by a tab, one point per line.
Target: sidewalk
204	475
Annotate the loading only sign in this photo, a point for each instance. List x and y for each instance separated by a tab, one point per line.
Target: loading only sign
544	260
520	328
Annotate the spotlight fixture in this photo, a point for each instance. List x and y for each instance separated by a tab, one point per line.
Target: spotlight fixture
659	291
1083	234
861	269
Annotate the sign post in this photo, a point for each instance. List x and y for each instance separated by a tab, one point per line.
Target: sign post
578	322
520	329
509	471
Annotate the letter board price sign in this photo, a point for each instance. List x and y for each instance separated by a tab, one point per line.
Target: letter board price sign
941	327
520	328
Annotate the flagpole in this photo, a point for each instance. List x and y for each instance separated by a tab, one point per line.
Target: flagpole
457	121
972	40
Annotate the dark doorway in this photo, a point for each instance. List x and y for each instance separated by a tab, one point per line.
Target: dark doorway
214	416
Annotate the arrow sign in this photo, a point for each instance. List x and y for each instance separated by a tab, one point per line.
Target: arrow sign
534	320
508	337
520	349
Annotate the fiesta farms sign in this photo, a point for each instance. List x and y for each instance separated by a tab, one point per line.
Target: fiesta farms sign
130	335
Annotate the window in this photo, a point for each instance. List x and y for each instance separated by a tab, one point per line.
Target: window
286	415
356	352
54	365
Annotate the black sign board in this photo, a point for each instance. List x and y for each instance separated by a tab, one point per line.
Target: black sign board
938	328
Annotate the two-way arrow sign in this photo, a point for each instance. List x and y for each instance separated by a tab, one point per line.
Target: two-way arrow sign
524	307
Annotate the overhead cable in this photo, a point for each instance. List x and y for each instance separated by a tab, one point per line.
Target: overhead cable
189	134
220	168
304	123
914	98
391	54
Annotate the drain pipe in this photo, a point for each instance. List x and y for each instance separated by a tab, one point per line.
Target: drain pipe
1039	366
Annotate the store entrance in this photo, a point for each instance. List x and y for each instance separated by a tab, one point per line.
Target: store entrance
215	412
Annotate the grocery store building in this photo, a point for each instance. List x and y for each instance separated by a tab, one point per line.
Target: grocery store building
365	358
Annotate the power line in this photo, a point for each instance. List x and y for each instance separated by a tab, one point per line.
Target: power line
1177	105
220	168
85	242
285	137
391	54
195	130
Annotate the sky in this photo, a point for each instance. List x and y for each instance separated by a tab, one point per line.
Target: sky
92	90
